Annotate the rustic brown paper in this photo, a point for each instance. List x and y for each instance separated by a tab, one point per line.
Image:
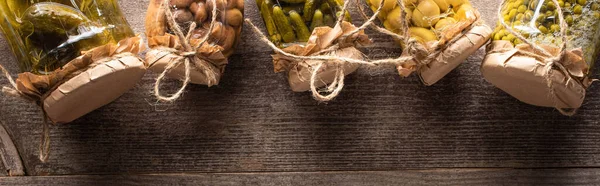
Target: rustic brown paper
472	33
166	48
321	39
87	82
524	77
455	54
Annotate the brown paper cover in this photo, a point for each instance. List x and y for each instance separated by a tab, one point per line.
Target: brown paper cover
165	48
524	77
321	39
472	33
455	54
92	80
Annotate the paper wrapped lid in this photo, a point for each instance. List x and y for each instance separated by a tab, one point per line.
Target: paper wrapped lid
524	77
455	54
166	49
299	72
299	78
93	88
94	79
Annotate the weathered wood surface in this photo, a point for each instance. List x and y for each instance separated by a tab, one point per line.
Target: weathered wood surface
252	122
395	178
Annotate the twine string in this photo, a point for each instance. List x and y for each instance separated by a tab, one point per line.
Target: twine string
326	57
188	57
550	60
44	148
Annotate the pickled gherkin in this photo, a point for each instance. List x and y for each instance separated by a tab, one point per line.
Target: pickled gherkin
538	21
46	34
293	21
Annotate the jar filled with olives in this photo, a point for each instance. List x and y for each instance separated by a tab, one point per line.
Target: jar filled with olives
448	31
70	51
179	27
546	59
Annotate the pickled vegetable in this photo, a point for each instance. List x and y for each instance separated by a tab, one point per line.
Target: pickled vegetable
229	20
46	34
537	20
428	18
282	23
299	26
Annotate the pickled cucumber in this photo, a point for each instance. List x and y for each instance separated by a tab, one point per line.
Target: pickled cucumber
301	29
283	25
266	13
51	18
317	20
309	9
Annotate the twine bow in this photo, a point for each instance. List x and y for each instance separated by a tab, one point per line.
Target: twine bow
337	85
418	52
58	78
549	59
189	55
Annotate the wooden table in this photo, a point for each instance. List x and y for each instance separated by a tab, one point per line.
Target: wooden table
251	129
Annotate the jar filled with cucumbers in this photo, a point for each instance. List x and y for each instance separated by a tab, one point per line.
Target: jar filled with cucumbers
46	34
538	21
428	18
292	21
228	25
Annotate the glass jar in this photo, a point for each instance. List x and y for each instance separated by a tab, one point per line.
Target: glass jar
292	21
428	18
537	20
227	29
46	34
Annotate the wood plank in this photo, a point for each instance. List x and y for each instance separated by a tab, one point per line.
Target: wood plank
253	122
417	177
11	160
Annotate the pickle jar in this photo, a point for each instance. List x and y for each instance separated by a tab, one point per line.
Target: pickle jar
227	28
536	70
537	20
45	35
428	18
292	21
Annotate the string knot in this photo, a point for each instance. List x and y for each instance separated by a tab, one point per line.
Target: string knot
188	55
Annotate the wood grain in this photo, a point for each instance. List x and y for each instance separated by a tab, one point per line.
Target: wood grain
424	177
252	122
11	160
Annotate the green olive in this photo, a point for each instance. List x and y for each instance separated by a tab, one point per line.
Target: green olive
512	13
528	15
581	2
543	29
522	9
569	19
577	9
595	6
554	28
550	5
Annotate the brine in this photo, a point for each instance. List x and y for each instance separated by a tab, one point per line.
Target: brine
46	34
